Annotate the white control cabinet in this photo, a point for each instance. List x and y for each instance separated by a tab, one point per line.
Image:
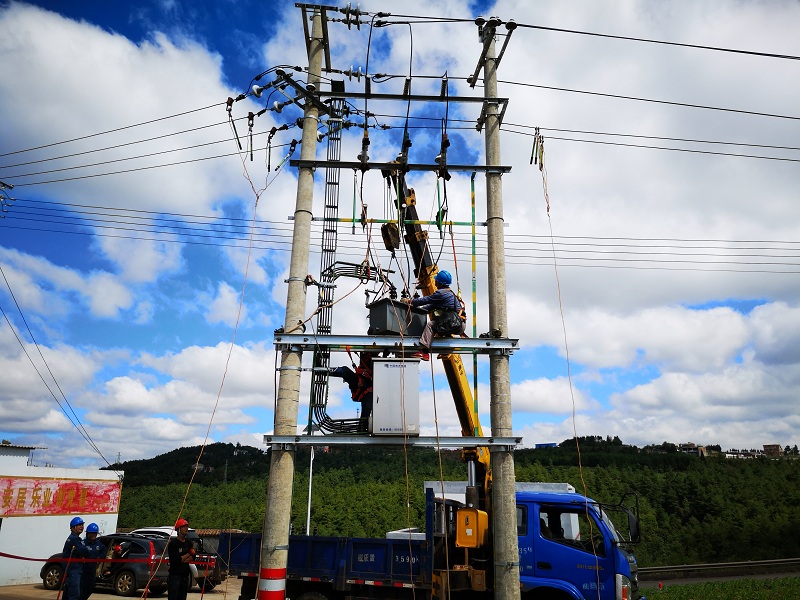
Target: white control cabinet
395	393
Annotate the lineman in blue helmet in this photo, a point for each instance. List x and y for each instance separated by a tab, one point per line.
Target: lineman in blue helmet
95	550
446	308
444	278
74	550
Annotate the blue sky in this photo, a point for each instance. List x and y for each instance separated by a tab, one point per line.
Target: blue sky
675	270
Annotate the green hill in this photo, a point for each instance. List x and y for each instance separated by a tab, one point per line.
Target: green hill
692	510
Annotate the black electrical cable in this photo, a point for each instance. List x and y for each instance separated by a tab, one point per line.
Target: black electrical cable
651	41
172	164
525	260
158	137
652	137
638	99
566	248
118	160
213	220
690	150
85	137
77	422
426	19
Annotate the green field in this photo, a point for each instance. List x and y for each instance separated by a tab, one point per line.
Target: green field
787	588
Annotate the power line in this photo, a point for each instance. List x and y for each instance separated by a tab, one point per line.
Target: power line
158	137
653	137
425	19
690	150
226	155
652	100
703	243
545	261
76	422
662	42
385	116
520	246
85	137
133	170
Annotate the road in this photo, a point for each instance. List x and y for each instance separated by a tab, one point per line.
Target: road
229	590
653	583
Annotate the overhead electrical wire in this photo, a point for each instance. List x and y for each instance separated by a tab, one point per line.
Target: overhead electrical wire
604	250
525	261
517	83
74	419
114	147
662	42
653	137
137	213
426	19
118	160
133	170
652	100
505	127
432	19
690	150
115	130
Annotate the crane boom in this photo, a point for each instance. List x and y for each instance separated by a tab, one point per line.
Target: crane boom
425	269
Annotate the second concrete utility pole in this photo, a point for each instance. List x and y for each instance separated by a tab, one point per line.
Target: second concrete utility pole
277	520
504	505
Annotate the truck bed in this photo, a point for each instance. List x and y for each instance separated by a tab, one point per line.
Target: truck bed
337	560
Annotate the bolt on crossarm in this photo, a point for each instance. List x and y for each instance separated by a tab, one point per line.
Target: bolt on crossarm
275	538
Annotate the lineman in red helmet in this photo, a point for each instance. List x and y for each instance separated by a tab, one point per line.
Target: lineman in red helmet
359	381
179	550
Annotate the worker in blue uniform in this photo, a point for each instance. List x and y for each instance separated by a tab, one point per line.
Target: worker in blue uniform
73	552
445	308
94	549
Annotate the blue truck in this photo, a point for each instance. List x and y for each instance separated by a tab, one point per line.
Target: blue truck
569	548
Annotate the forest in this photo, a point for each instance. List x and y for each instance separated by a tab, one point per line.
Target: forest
692	510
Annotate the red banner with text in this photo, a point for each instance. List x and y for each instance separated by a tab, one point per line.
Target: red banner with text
28	496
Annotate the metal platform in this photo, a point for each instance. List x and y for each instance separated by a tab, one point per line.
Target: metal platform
289	442
377	343
394	166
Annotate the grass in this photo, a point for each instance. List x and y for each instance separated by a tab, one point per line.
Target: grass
787	588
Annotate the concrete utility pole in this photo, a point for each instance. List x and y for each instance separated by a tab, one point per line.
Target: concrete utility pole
275	538
504	505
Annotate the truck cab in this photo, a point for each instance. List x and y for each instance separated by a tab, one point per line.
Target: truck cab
569	545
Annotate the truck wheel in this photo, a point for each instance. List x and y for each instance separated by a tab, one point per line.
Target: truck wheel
52	577
205	585
125	584
312	596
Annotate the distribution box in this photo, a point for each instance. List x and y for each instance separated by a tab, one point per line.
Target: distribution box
395	393
392	317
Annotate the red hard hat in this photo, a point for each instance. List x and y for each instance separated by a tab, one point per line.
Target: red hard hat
181	523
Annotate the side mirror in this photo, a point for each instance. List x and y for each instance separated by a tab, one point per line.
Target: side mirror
633	528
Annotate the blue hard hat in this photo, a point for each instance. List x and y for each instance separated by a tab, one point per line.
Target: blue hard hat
443	278
75	522
92	528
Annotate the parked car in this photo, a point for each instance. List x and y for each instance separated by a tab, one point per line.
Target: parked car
149	565
207	572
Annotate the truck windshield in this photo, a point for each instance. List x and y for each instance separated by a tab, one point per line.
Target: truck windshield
616	536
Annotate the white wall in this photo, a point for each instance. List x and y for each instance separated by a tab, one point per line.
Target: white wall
39	536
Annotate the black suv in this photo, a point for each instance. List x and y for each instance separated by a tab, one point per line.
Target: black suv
148	563
206	570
